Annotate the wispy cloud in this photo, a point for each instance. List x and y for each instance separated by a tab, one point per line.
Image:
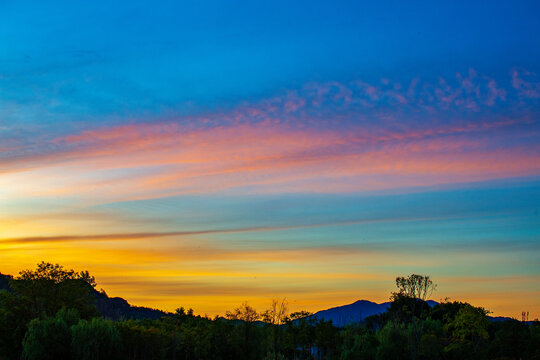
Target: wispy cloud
147	235
526	83
146	160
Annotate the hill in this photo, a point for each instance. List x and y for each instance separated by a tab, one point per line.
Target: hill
355	312
117	308
114	308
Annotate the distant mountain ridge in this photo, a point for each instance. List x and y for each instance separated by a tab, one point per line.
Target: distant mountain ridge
117	308
355	312
361	309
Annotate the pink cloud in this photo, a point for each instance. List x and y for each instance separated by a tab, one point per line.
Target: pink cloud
167	159
297	142
525	88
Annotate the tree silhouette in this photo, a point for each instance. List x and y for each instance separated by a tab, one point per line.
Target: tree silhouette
275	316
50	287
247	315
415	286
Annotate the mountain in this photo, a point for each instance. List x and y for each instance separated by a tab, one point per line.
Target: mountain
355	312
117	308
114	308
4	281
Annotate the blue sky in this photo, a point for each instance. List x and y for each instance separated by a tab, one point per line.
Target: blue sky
348	142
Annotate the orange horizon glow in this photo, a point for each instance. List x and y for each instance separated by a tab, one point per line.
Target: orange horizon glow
321	194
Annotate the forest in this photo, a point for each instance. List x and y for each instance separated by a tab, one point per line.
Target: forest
50	313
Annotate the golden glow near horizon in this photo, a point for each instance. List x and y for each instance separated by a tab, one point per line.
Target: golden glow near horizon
196	273
185	176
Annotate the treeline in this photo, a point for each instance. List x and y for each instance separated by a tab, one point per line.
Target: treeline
50	313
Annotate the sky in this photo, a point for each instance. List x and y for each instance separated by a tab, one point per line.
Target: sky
205	153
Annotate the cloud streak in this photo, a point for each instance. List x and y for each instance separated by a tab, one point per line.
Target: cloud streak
157	160
147	235
329	137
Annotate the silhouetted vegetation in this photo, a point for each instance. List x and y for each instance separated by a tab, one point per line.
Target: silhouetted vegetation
52	313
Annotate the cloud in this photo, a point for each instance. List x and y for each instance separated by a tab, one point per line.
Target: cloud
147	235
522	81
149	160
192	248
322	137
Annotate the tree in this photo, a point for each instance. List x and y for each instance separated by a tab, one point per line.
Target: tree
359	344
14	319
468	330
413	290
96	339
55	273
44	291
414	286
276	316
301	334
46	339
432	339
247	315
326	339
277	313
244	313
394	342
141	342
511	339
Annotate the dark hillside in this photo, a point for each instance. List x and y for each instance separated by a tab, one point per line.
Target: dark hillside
114	308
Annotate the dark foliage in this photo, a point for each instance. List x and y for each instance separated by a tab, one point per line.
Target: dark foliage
116	308
50	313
4	282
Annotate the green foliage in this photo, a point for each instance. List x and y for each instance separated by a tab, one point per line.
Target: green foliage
56	273
47	339
512	339
447	311
274	356
41	294
141	342
69	316
432	339
44	291
534	340
393	342
246	331
470	324
14	319
431	347
96	339
299	335
359	344
326	339
404	309
40	319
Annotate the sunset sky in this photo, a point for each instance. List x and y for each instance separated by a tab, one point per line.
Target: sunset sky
202	154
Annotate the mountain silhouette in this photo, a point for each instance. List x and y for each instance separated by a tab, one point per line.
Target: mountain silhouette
114	308
117	308
355	312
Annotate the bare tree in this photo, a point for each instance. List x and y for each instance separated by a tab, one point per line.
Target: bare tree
276	316
414	286
248	316
244	312
277	313
417	288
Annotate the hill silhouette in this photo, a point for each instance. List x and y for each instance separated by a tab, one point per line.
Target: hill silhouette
118	308
47	314
114	308
355	312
